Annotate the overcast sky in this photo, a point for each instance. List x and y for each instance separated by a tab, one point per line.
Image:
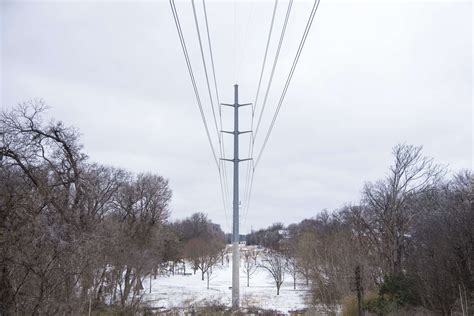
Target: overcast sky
372	74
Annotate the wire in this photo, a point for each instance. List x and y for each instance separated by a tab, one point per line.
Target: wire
249	195
290	75
275	61
249	172
191	74
218	99
222	175
205	72
212	56
264	58
225	190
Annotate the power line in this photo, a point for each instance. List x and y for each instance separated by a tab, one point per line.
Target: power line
225	192
191	74
205	70
222	175
249	172
275	61
217	97
290	75
196	92
265	58
212	57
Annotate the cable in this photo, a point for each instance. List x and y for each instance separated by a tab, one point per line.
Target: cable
212	56
274	66
275	62
265	57
251	142
205	71
222	176
193	81
290	75
247	206
217	96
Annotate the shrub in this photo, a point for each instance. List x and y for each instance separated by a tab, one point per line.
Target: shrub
397	291
349	306
399	288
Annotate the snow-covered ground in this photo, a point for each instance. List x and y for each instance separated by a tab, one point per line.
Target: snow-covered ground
180	291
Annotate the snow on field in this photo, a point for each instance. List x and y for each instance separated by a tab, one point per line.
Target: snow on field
176	291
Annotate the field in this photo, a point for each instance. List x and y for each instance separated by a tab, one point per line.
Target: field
186	291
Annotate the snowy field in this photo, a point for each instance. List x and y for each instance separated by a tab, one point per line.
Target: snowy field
180	291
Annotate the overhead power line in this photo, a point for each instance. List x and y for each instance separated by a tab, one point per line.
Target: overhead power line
222	175
198	99
218	99
250	168
272	73
290	75
280	102
193	80
203	58
265	57
275	61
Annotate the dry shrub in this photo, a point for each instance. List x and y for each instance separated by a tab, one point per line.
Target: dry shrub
349	306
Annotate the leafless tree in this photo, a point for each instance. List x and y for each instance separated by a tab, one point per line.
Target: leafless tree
274	263
66	223
204	253
389	205
250	257
441	249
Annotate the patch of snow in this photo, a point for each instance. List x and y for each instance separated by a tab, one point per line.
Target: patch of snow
181	291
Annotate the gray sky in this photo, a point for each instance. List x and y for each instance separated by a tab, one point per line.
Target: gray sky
372	74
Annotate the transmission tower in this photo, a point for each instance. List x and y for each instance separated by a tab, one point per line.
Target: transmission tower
235	204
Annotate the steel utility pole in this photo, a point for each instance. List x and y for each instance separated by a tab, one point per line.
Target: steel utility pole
235	204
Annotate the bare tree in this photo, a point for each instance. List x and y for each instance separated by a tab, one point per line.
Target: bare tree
250	257
204	253
274	263
69	228
441	249
291	266
44	254
289	250
389	205
141	206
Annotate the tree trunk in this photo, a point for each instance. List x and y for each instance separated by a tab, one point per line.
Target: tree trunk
127	286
